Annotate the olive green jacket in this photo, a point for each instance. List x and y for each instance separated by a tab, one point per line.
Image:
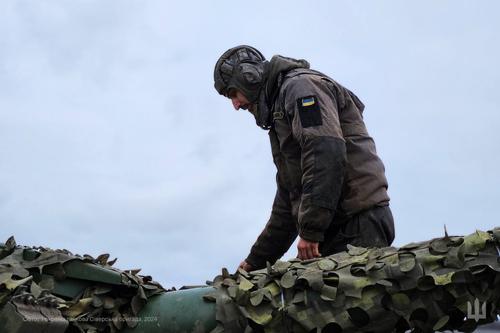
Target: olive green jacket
327	165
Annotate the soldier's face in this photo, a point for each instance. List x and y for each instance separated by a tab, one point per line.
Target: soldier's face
239	100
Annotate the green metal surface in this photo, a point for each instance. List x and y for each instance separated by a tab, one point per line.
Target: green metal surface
84	271
177	311
80	275
70	288
78	269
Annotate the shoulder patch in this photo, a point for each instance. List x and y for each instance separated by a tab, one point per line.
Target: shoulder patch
309	111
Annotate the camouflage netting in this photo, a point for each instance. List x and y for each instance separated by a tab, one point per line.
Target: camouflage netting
23	277
422	287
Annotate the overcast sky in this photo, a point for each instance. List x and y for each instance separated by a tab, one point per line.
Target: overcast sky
112	138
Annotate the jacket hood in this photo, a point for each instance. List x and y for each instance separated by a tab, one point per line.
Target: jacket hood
276	68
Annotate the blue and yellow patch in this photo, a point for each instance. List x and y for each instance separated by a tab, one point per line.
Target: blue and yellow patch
308	101
309	111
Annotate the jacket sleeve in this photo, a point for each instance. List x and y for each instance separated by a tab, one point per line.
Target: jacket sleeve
278	234
312	108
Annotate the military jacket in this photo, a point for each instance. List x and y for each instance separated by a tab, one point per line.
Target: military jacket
327	165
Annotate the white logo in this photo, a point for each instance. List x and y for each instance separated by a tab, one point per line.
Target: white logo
479	313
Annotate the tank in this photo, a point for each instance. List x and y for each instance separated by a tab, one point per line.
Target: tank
447	283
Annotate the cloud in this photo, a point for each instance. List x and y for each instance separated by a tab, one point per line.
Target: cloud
112	138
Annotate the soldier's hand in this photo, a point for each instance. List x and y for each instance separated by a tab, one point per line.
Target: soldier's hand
245	266
307	249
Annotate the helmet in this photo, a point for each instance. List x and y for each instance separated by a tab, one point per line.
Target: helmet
242	68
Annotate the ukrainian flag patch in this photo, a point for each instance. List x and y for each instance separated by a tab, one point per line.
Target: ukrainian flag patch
308	101
309	111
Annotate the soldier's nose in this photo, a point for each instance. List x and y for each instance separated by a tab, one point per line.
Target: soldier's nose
236	103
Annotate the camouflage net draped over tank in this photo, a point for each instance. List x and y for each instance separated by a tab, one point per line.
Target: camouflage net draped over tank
23	278
422	287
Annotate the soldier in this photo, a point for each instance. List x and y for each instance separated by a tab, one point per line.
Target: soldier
331	187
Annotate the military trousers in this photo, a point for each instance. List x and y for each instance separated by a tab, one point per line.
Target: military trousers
373	227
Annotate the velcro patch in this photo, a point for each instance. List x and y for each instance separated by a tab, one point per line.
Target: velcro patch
309	111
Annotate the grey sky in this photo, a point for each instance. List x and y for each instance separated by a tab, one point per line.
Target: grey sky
112	138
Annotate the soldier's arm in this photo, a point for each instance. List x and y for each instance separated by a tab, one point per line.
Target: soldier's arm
315	121
278	234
